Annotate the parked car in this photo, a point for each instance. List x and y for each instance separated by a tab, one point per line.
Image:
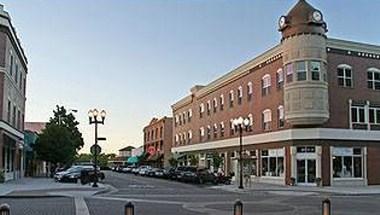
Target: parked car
177	173
73	174
136	170
144	170
187	174
160	173
152	172
169	173
126	169
200	176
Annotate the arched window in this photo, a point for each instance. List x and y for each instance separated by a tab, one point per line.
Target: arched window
280	78
344	74
215	130
189	115
231	98
266	119
215	104
250	117
373	81
281	116
240	94
176	139
266	83
208	132
201	133
189	136
222	129
249	91
221	102
201	110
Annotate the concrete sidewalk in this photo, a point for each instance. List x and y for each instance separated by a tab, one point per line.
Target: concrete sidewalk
43	186
337	190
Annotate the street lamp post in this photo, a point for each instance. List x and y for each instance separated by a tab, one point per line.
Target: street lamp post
93	116
239	124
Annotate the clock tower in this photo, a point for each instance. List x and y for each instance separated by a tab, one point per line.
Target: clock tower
304	57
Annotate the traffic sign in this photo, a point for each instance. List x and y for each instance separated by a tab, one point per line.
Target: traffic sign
151	150
95	149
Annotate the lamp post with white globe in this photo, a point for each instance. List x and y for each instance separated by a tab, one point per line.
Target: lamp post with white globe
96	118
239	124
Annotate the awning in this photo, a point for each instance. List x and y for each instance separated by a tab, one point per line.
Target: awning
133	160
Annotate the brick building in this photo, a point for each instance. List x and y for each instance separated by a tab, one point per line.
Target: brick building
13	71
158	138
313	103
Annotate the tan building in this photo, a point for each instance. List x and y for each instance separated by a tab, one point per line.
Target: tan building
158	141
13	72
313	105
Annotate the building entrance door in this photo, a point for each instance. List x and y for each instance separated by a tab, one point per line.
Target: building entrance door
306	171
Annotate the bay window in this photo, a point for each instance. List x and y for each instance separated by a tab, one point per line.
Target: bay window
301	70
315	68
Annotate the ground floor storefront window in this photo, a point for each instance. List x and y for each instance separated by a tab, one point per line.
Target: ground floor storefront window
272	162
347	162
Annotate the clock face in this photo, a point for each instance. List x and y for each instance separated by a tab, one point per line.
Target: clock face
317	16
282	21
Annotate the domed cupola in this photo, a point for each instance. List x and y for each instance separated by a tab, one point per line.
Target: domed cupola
302	19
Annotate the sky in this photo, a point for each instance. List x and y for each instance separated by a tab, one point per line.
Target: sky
136	58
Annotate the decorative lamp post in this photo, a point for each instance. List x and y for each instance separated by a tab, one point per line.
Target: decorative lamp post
239	124
93	117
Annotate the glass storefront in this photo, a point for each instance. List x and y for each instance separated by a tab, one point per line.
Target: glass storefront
272	162
347	162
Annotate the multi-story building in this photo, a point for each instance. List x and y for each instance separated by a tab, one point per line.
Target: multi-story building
313	104
13	72
158	138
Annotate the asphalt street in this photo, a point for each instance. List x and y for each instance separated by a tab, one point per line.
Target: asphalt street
153	196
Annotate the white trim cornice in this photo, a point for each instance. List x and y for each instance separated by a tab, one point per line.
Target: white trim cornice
285	135
11	130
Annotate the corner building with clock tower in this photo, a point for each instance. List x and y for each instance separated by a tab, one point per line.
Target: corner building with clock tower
313	105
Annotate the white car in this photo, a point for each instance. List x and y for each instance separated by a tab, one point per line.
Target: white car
144	169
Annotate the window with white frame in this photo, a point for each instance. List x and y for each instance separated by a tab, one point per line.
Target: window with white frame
215	130
215	104
189	115
208	132
281	116
280	78
221	129
201	133
301	70
250	117
184	117
249	91
266	119
266	83
180	139
180	119
232	127
176	120
201	110
231	98
184	137
347	162
189	136
221	102
315	69
374	115
176	139
272	162
208	107
344	74
240	94
289	72
358	117
373	78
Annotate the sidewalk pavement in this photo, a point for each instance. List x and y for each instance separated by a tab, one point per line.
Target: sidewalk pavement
43	187
285	189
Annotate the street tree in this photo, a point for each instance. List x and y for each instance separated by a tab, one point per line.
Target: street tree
61	139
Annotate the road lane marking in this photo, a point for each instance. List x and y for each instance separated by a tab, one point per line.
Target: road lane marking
81	206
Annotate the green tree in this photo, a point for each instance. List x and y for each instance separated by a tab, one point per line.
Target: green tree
216	160
193	160
61	139
173	162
